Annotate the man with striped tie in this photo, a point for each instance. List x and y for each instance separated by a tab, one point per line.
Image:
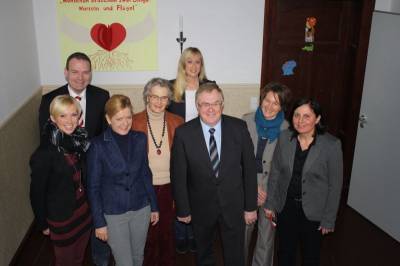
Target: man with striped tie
214	180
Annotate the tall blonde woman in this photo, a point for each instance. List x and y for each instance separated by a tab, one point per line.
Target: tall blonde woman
159	126
121	195
190	75
265	126
57	191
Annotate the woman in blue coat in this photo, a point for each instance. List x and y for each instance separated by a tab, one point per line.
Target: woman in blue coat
120	189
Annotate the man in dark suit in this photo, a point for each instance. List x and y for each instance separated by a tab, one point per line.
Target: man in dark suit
78	73
214	177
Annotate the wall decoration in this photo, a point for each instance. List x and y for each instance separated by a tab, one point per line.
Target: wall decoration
287	67
309	34
118	35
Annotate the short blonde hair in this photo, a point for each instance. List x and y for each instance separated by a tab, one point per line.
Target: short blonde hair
116	103
61	102
180	82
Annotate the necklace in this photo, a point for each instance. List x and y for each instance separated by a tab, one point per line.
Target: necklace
158	146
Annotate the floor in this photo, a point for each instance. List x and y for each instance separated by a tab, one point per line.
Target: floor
355	242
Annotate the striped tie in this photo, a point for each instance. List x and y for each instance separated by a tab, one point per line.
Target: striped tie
80	123
214	152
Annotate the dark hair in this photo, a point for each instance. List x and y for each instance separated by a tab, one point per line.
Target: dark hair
209	87
281	90
79	56
315	107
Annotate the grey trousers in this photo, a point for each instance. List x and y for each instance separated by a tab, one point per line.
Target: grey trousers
264	249
127	236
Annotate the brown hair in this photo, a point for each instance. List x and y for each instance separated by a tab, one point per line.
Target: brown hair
282	91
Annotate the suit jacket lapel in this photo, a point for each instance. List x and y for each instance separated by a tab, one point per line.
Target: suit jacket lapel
292	152
313	154
203	151
113	151
89	110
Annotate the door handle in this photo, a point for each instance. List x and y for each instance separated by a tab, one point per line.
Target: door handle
363	120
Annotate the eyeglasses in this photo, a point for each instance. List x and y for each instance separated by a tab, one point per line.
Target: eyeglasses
158	98
208	105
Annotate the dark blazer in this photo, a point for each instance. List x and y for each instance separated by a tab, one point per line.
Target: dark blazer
179	108
322	177
96	98
116	186
52	190
196	190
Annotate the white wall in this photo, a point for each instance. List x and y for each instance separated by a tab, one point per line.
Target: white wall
229	34
19	74
391	6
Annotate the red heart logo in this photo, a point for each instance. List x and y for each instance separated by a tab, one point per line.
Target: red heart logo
108	37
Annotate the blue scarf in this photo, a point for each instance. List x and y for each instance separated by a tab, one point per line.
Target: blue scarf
268	129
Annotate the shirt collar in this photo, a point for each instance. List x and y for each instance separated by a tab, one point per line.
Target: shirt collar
73	94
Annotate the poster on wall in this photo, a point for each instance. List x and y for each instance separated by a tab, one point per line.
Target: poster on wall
117	35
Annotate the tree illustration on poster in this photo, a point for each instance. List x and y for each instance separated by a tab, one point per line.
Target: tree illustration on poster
118	35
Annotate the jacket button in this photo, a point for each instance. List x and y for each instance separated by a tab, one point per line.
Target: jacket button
304	193
127	189
266	172
264	161
304	181
127	174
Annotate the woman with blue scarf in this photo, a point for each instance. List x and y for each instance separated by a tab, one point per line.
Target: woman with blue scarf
264	126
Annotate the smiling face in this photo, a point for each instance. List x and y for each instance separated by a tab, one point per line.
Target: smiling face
157	100
193	66
78	74
210	106
67	119
270	105
305	120
121	122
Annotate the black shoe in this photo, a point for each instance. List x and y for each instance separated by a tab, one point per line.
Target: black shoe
181	246
192	245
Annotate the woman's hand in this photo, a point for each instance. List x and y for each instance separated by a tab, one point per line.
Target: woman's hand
46	232
325	231
154	217
261	196
101	233
269	214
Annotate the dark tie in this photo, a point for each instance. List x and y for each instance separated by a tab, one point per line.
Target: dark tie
214	152
80	123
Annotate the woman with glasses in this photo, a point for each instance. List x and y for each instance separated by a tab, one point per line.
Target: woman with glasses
159	126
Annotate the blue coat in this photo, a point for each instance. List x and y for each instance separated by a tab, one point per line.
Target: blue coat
116	186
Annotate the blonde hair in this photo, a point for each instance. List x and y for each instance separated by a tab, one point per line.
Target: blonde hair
61	102
116	103
180	82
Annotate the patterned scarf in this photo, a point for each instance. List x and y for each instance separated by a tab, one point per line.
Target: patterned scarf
76	142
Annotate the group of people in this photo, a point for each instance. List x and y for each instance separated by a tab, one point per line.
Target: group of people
167	179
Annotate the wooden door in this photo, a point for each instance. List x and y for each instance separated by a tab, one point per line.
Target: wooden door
333	72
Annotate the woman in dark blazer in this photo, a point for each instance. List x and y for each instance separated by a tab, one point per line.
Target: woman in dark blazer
265	126
57	191
190	75
305	185
120	191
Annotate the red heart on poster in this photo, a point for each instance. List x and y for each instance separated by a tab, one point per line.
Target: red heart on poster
108	37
